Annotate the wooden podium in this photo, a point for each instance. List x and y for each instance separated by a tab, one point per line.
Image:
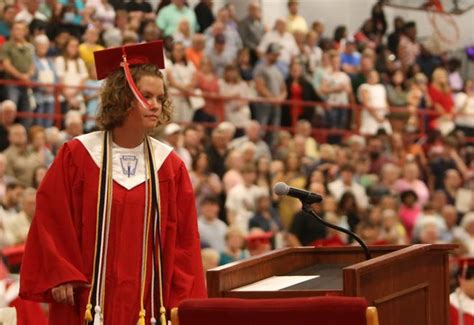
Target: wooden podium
407	284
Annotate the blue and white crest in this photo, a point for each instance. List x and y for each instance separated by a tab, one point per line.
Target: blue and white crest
129	164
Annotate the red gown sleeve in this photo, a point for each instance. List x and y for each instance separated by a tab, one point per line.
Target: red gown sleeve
188	275
52	255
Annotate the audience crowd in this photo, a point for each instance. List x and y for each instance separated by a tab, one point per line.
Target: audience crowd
399	172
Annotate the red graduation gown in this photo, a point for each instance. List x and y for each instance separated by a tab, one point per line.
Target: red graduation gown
60	245
461	304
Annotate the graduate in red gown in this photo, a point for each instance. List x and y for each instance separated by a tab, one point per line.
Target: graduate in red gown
461	307
115	238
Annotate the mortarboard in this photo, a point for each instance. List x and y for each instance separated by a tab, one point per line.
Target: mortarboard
110	60
12	257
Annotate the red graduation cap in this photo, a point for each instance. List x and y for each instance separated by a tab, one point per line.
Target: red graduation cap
110	60
13	255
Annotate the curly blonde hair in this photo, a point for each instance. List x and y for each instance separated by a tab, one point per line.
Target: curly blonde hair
116	97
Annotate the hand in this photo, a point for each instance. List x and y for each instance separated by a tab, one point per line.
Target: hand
64	294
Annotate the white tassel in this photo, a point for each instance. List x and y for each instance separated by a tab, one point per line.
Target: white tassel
97	315
153	320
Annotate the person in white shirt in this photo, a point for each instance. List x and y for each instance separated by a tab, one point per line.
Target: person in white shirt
464	103
172	135
240	202
345	183
279	35
373	97
212	230
336	85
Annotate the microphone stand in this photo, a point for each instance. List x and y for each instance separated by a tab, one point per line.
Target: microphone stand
307	208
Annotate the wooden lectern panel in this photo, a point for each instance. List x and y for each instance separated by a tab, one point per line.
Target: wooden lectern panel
407	284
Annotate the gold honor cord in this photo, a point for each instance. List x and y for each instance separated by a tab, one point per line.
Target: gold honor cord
156	183
101	206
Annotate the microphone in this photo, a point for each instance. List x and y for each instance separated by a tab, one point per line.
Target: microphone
307	197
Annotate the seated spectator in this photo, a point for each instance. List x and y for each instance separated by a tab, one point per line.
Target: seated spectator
298	89
234	250
252	29
336	85
29	12
253	134
345	183
205	182
430	234
89	46
244	66
394	232
443	103
258	242
172	14
453	232
45	72
467	225
208	83
456	82
348	211
72	73
408	48
17	58
235	111
350	58
210	259
232	176
8	112
21	158
183	34
293	176
4	179
269	84
464	105
181	76
240	201
91	96
265	217
411	181
7	19
9	208
219	54
409	211
397	97
16	226
452	183
373	98
217	151
195	52
172	137
212	230
103	13
279	35
37	139
223	25
295	22
191	141
38	176
73	127
371	234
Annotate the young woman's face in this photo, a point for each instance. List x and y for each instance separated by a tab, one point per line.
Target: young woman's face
153	91
178	52
72	48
